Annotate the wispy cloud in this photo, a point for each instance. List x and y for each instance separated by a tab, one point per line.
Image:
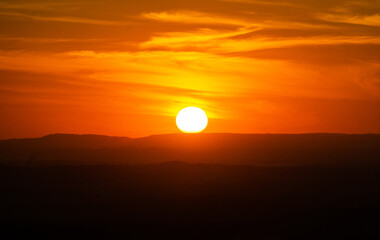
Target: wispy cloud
267	3
48	40
219	42
202	37
67	19
193	17
34	6
367	20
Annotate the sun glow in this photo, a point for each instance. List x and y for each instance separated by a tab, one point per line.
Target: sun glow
191	120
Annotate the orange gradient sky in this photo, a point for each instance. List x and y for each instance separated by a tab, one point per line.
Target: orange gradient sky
126	68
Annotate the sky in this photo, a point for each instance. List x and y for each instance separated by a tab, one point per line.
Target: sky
125	68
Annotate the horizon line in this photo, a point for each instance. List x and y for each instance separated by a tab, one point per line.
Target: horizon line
188	134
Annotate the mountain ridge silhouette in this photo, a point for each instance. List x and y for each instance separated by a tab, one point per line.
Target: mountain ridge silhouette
312	149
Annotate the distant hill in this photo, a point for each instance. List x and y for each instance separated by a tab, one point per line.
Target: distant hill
319	149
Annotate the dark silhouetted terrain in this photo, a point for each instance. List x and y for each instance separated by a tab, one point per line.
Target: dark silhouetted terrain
324	150
311	186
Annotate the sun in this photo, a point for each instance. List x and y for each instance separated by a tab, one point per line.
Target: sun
191	120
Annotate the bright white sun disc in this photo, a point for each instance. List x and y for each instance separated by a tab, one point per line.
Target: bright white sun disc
191	120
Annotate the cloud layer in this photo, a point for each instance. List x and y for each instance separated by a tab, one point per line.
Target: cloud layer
254	66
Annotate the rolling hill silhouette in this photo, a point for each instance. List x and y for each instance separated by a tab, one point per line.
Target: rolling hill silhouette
322	149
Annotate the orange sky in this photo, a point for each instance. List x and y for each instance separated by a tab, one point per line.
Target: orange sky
126	68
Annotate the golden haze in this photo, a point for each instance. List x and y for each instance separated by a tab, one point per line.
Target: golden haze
127	67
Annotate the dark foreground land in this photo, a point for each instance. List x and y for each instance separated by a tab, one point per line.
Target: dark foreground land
329	195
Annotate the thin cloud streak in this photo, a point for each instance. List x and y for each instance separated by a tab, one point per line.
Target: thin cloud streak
368	20
34	6
267	3
67	19
193	17
224	43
